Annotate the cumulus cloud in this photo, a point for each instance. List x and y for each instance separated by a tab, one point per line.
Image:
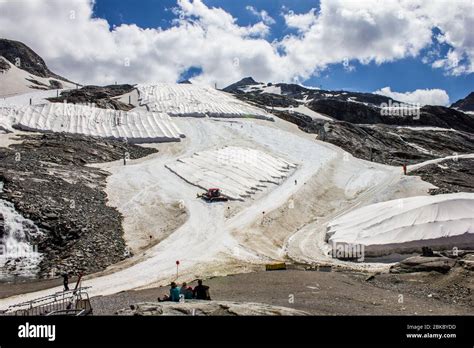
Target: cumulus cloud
419	96
302	21
369	31
455	24
88	50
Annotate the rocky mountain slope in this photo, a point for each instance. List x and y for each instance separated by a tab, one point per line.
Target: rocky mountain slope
25	58
363	123
392	145
466	104
22	70
47	180
450	175
101	96
353	107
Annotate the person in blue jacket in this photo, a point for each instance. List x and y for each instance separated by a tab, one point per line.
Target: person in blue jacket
174	294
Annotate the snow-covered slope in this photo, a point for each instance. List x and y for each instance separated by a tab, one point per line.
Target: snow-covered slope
406	220
136	126
263	88
238	172
36	97
236	237
15	81
302	109
196	101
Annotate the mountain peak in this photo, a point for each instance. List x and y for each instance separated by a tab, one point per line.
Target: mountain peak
22	70
466	104
23	57
246	81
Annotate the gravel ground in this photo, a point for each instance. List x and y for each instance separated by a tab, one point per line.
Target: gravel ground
319	293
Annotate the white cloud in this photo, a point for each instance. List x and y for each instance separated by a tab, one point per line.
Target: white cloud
419	96
263	15
87	50
455	20
302	22
371	31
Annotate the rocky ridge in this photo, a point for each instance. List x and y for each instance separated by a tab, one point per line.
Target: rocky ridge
101	97
47	180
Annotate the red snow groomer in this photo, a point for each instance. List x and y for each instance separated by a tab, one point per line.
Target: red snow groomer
213	195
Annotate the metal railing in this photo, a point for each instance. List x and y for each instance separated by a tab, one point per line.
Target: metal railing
71	302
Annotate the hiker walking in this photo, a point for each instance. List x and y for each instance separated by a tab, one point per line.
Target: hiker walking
66	282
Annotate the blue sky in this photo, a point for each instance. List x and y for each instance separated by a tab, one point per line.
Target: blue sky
402	75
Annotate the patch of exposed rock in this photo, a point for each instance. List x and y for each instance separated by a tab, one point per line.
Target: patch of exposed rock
4	66
430	261
358	113
466	104
450	176
102	97
439	264
47	180
468	262
208	308
390	144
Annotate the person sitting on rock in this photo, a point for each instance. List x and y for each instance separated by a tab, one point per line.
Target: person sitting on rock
174	294
201	292
186	291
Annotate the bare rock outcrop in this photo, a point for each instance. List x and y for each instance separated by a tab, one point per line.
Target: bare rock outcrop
208	308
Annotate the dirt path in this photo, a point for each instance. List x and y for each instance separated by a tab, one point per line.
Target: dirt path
319	293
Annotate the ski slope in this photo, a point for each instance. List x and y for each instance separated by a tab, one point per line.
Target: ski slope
230	237
406	220
240	172
290	186
135	126
195	101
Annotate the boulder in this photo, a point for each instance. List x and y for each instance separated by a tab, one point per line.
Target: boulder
467	262
208	308
423	264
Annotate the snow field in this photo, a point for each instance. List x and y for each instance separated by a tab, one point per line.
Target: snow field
135	126
405	220
195	101
302	109
263	88
36	97
211	243
238	172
